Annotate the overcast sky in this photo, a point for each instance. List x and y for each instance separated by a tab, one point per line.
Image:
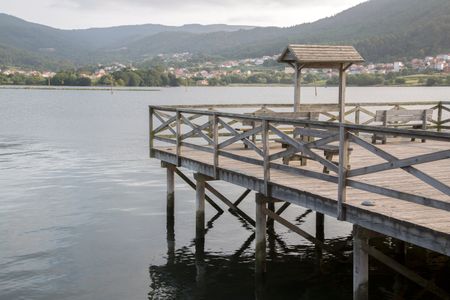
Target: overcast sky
101	13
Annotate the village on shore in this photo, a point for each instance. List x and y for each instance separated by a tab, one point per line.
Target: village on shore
185	69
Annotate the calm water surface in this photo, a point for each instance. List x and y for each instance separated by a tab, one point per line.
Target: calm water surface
82	207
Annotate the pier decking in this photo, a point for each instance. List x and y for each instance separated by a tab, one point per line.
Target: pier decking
398	189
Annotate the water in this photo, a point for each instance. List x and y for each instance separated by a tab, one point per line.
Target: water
82	208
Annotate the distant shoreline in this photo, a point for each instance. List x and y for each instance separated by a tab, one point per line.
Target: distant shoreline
69	88
156	89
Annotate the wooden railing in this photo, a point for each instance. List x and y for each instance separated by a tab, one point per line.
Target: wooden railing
360	113
215	132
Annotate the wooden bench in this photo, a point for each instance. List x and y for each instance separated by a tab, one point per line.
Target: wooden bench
412	118
329	151
248	125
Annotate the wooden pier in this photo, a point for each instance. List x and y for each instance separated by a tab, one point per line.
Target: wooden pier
398	189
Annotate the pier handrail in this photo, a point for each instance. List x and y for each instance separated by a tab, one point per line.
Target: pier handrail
361	112
217	132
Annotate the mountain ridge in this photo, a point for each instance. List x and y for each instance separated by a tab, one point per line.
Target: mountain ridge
379	29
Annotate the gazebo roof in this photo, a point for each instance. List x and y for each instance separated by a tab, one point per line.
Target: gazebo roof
320	56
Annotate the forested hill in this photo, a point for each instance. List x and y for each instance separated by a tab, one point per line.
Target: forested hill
382	30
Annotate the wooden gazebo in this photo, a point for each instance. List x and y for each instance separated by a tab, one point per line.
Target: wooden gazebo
300	57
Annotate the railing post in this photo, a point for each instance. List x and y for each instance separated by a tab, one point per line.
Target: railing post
151	133
344	144
266	165
439	117
216	144
178	150
358	116
210	128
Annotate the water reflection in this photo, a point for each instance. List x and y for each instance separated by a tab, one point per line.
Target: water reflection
294	271
191	272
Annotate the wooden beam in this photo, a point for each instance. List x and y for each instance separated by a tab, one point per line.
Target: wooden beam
227	202
194	186
242	197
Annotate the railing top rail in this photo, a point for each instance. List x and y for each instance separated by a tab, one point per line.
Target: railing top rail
331	103
442	136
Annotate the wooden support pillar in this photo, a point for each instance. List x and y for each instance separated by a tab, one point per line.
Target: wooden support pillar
200	208
170	209
297	94
342	86
260	238
170	213
151	133
360	263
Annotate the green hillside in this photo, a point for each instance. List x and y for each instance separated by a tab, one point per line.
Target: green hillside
382	30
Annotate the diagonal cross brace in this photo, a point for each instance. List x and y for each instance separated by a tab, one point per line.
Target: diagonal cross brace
246	141
411	170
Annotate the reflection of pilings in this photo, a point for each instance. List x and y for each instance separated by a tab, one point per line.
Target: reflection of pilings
260	251
200	267
399	282
320	236
170	227
360	264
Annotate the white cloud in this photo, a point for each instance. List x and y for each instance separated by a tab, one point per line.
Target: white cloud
100	13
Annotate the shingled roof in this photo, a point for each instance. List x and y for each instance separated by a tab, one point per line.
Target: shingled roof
320	56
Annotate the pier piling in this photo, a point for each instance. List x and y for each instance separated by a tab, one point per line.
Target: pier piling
360	264
200	207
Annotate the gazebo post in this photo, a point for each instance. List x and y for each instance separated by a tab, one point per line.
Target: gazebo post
297	92
342	86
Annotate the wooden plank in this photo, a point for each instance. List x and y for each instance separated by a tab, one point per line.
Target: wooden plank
426	201
401	163
165	140
197	147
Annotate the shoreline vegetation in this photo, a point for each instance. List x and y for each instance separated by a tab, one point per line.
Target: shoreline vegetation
79	88
158	77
